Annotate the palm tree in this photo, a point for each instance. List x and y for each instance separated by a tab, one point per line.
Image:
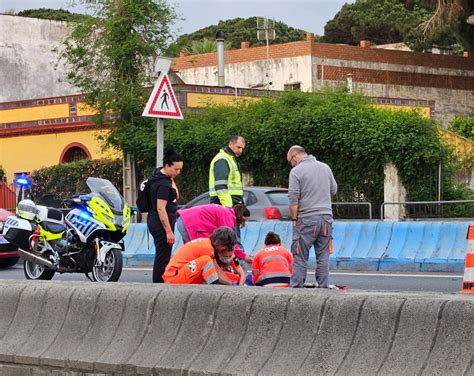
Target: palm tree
447	12
205	46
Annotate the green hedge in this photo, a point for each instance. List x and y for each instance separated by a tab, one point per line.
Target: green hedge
345	131
62	181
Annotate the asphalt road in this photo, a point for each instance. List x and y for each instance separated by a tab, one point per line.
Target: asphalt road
373	281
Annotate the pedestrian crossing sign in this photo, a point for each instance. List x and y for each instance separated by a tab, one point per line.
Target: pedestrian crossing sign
162	102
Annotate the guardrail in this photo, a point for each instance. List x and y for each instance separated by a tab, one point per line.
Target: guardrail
426	246
356	214
408	203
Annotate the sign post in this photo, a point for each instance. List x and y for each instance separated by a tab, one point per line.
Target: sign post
160	134
162	104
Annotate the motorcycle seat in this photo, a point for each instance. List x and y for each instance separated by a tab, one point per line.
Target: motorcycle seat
53	227
45	213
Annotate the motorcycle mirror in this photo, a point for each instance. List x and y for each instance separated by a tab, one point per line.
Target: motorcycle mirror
85	198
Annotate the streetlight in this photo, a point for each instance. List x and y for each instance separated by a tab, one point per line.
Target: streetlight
349	83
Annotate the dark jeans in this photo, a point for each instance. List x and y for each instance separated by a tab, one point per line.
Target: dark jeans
162	248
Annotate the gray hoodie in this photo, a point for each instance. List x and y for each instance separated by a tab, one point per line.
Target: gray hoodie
311	186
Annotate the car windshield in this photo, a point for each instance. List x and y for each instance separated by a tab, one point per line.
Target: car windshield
278	198
106	190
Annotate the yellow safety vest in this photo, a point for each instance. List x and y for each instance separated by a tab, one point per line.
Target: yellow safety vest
234	181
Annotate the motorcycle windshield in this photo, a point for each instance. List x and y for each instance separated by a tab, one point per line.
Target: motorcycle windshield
107	191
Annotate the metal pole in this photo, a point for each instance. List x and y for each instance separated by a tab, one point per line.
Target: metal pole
266	61
439	182
220	39
160	130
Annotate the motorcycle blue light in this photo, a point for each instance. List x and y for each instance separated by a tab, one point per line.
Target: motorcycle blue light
23	182
85	215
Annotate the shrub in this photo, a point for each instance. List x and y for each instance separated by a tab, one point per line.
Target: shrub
345	131
64	180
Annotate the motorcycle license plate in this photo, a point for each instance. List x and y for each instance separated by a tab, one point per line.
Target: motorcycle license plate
3	240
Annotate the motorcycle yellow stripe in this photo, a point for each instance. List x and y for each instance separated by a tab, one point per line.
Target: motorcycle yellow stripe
102	212
46	235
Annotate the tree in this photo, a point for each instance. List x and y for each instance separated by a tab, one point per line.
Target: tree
236	31
380	21
448	12
109	56
455	17
51	14
389	21
463	126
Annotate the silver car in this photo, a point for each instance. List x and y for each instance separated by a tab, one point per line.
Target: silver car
264	203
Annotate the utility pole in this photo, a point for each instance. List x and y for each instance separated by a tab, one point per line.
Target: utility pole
266	31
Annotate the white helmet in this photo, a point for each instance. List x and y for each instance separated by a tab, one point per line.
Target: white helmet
26	209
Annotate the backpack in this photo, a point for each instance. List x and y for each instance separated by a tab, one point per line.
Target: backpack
143	197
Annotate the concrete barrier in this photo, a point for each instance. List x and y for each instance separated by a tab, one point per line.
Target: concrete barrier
51	328
370	246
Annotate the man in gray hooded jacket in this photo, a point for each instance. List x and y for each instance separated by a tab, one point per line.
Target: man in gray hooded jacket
311	186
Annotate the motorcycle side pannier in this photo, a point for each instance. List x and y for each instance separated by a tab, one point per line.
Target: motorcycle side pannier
18	231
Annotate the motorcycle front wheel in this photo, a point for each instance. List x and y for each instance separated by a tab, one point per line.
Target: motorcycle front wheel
111	269
36	271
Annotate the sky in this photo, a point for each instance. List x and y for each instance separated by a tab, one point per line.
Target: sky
309	15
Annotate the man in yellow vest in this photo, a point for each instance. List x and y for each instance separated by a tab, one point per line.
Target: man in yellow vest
225	179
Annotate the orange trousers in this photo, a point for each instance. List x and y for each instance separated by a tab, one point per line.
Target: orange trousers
198	271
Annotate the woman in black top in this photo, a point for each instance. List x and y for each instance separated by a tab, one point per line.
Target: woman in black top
161	219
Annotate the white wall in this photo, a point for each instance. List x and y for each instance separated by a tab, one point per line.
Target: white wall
251	74
27	61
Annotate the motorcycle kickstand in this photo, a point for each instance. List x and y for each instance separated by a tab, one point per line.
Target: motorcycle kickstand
88	277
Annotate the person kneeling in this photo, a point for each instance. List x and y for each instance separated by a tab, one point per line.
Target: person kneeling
272	265
199	261
234	271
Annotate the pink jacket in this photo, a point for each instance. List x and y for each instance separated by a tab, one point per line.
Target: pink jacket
201	221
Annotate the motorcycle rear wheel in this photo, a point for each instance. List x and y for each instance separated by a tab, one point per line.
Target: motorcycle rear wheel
111	269
36	271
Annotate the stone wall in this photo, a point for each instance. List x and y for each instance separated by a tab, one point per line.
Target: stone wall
27	62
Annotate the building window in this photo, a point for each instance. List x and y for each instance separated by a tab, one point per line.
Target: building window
72	109
292	87
74	152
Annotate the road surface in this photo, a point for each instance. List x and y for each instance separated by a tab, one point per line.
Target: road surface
370	281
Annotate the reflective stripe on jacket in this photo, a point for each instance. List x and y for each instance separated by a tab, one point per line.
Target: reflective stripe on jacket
272	263
225	189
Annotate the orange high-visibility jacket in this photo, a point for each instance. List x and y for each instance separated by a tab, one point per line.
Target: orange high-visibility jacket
272	265
188	252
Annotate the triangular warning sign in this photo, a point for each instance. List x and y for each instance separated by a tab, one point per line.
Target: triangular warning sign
162	102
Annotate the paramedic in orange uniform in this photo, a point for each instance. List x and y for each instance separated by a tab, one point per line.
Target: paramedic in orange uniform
234	271
272	265
198	262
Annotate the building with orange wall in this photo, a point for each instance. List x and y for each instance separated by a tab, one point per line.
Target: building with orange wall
43	132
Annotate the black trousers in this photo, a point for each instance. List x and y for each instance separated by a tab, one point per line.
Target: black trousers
162	248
